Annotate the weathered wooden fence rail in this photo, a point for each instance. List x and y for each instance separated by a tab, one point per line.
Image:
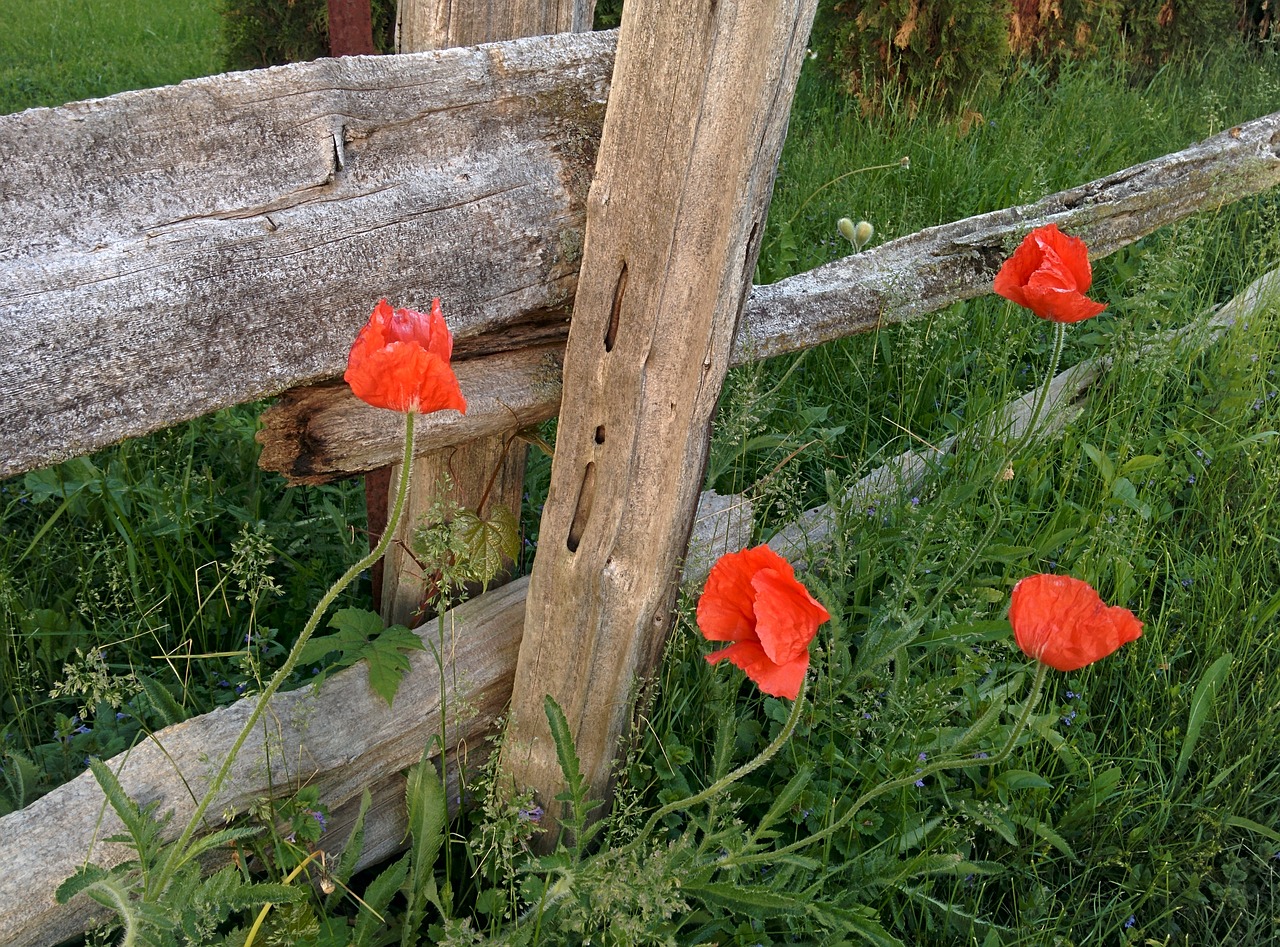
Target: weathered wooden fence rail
167	253
211	243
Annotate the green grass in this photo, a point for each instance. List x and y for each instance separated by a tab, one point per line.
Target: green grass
1148	785
56	51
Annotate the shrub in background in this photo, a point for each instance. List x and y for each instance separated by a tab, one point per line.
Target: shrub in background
259	33
889	53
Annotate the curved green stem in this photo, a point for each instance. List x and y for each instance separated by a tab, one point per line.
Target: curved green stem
177	853
724	782
903	781
1042	396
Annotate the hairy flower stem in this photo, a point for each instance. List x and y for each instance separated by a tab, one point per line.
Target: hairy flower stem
1042	396
724	782
178	852
901	782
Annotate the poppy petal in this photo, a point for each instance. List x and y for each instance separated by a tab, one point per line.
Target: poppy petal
726	609
1062	622
400	361
1049	274
787	616
776	680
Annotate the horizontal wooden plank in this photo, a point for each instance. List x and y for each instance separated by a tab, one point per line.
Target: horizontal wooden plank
168	252
312	438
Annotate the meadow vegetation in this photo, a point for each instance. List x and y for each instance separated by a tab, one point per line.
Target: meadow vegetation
166	575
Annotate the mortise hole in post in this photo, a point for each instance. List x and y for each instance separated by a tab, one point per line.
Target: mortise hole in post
615	313
600	434
586	494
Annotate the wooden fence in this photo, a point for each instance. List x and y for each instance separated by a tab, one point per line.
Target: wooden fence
167	253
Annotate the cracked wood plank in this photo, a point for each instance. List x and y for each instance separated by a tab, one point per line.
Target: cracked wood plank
309	437
169	252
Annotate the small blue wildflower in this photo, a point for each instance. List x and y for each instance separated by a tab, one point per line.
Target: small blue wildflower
981	755
1072	695
241	687
1186	583
922	757
533	814
1129	923
319	817
915	501
867	716
1191	480
920	783
121	715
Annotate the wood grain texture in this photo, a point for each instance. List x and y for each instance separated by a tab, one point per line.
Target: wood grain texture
439	24
168	252
697	114
895	282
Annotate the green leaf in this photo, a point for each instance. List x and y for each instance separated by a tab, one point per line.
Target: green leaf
1240	822
1105	465
361	637
1045	831
372	918
858	919
751	900
1021	779
428	816
164	703
490	544
346	866
1201	703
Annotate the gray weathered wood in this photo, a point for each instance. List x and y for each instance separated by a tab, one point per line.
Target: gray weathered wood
168	252
143	223
698	110
439	24
486	474
322	435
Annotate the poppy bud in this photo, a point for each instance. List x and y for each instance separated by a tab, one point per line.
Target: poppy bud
846	228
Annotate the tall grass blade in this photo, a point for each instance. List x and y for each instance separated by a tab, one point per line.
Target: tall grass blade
1201	703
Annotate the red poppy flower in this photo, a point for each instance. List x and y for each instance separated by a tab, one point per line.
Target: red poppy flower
1049	274
1062	622
753	599
400	360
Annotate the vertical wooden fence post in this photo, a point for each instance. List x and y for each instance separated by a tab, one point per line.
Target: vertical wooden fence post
492	468
697	114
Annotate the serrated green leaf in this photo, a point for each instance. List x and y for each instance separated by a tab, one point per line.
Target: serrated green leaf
860	920
361	637
490	543
1045	831
346	866
428	815
371	920
164	703
751	900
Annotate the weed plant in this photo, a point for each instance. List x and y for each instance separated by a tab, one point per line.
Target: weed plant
1141	805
